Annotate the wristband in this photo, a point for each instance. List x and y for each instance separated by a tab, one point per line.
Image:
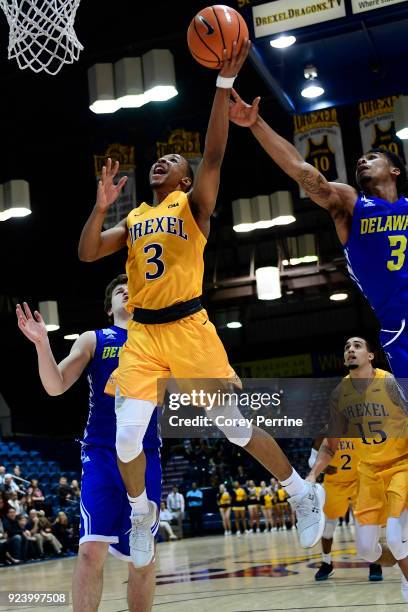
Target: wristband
225	82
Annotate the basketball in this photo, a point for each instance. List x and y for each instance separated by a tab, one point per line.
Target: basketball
212	30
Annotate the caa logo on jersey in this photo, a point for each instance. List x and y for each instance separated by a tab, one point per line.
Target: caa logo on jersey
367	202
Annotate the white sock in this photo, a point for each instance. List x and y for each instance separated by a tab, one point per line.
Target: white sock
326	558
139	504
294	485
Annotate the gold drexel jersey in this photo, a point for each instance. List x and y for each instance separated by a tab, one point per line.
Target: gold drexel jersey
165	263
376	416
346	460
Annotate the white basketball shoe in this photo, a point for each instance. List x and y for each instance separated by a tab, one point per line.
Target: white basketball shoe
309	514
141	536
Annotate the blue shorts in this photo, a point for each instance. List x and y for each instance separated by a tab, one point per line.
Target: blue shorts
394	341
105	509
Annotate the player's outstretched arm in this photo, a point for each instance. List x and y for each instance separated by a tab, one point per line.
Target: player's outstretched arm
326	453
95	243
55	378
335	197
203	196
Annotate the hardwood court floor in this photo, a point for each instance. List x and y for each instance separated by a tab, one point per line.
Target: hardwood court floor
257	572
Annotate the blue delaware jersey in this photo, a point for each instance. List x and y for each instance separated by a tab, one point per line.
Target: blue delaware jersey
100	429
376	254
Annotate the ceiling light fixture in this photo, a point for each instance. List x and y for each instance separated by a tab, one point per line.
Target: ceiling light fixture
339	296
159	75
49	312
283	42
268	285
14	199
234	325
401	117
313	89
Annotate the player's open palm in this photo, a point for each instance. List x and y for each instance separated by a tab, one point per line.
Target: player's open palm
33	327
241	113
108	191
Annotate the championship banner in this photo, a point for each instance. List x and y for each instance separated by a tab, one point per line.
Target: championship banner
283	15
377	127
317	137
362	6
125	155
184	143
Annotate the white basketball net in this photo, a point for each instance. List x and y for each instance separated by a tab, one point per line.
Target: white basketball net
42	35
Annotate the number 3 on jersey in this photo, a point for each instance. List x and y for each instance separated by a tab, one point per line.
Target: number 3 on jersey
155	260
398	246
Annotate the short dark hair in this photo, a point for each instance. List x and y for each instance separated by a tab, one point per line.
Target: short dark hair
121	279
369	344
190	171
396	161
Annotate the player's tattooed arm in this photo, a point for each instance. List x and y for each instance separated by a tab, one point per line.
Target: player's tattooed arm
325	448
395	393
338	198
326	453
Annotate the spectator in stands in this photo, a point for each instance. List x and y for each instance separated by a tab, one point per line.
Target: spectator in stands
76	490
2	475
10	485
14	502
46	531
241	475
165	519
15	539
17	472
63	491
63	531
35	496
3	545
176	504
4	505
188	448
32	550
194	500
33	526
18	478
239	499
224	505
5	557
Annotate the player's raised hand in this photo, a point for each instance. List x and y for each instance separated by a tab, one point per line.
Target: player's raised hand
231	67
33	327
241	113
108	191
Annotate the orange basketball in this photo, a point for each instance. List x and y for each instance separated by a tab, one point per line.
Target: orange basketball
212	30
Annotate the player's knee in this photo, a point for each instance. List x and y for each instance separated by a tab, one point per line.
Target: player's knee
129	442
132	419
369	550
93	554
232	424
329	528
393	534
398	548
